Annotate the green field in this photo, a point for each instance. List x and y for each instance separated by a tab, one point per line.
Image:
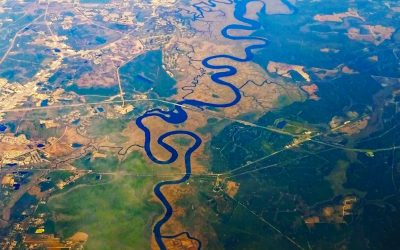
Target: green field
145	73
115	212
110	127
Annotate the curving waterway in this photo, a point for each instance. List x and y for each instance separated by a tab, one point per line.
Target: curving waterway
178	115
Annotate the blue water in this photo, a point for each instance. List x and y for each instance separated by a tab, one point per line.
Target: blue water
178	115
281	124
76	145
76	122
16	186
100	109
3	128
44	103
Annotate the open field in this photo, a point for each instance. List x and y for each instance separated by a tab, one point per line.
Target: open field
115	214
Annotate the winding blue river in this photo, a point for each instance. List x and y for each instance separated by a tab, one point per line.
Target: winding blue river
178	115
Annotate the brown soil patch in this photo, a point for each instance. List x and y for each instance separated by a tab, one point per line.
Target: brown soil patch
283	69
311	90
104	78
47	241
275	7
232	188
355	127
328	211
377	34
312	220
338	17
181	243
348	70
79	237
61	146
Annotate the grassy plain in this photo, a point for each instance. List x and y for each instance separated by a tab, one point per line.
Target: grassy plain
116	213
